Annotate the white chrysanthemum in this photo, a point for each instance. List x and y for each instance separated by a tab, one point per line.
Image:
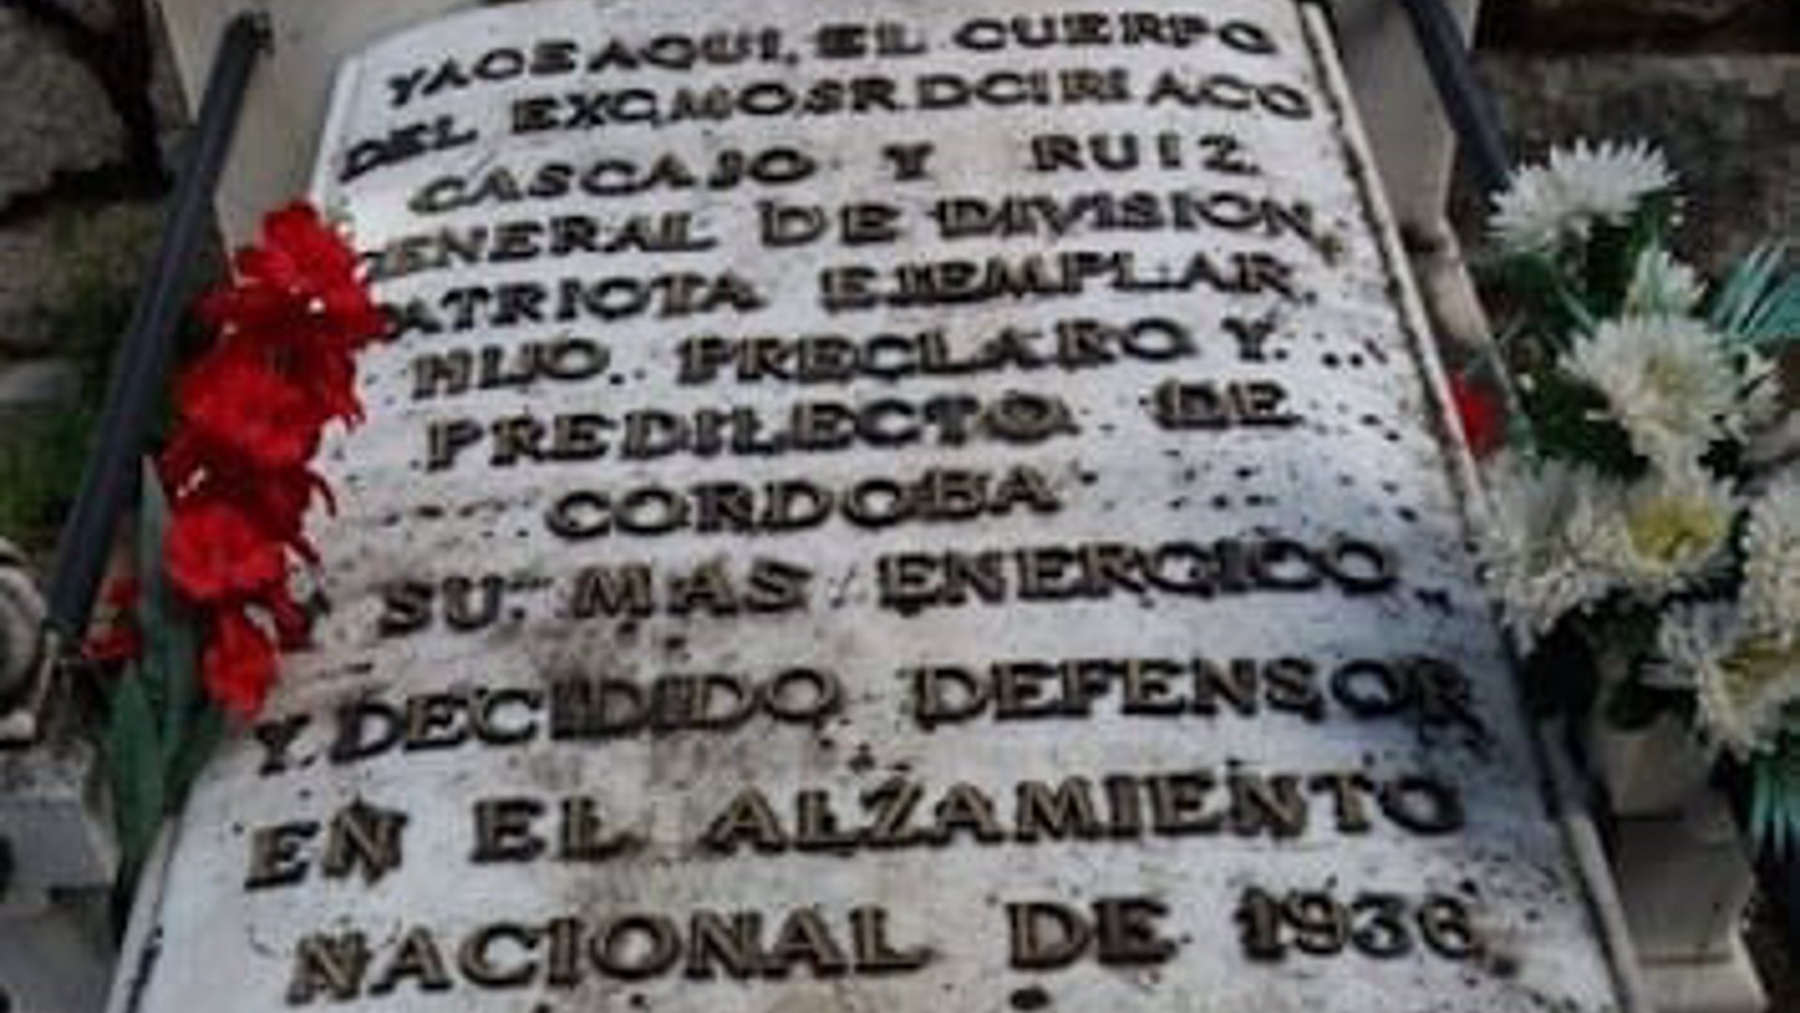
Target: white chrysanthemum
1771	591
1543	543
1668	380
1575	188
1742	682
1676	524
1662	286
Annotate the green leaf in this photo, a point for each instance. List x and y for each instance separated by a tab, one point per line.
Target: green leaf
1758	304
1734	300
1611	259
171	649
1552	301
1569	421
1775	798
204	734
134	751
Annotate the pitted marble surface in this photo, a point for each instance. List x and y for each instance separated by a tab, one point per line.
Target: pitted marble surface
996	548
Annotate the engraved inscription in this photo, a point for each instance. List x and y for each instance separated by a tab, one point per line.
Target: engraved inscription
893	506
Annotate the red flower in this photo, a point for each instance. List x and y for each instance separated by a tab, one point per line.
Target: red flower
327	373
1483	416
292	626
277	502
238	665
118	639
300	283
252	412
214	553
300	233
237	404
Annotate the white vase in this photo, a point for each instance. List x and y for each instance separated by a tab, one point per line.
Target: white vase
1684	881
1681	870
1651	771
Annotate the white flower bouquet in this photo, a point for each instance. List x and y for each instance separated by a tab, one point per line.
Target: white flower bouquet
1639	508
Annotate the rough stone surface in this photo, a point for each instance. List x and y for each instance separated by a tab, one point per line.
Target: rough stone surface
1641	12
1691	26
100	14
172	117
41	383
55	118
52	268
1730	126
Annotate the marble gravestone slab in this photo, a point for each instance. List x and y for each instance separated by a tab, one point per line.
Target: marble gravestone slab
884	506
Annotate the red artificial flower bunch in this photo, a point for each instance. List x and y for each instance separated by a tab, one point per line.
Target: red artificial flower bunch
250	414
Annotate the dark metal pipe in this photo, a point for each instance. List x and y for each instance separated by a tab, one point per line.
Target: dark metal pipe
109	479
1465	101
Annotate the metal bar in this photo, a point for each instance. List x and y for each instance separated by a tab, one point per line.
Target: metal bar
1465	101
110	476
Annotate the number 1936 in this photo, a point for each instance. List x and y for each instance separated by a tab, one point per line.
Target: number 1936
1382	925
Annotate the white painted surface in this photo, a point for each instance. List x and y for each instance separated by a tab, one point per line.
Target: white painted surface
1409	131
285	104
1366	463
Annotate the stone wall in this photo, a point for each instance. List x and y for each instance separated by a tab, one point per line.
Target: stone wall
89	128
1730	125
1663	26
1716	83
